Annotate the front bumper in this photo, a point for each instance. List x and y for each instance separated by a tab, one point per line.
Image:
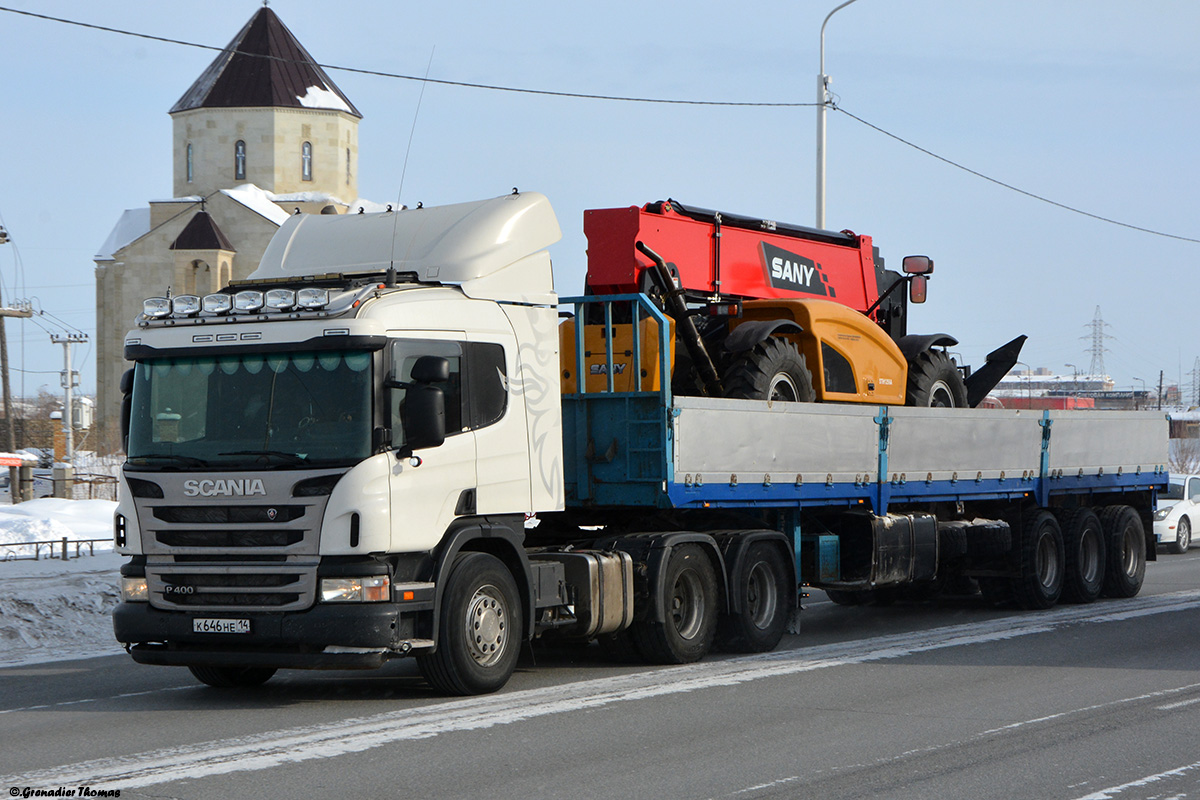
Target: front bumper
1166	531
333	636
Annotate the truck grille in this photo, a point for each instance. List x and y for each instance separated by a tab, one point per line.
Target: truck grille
228	588
234	554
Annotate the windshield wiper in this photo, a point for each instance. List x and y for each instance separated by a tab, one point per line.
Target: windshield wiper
290	458
188	461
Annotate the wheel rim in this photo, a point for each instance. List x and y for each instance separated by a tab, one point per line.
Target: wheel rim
940	395
1089	556
1185	534
1047	561
761	596
487	625
1129	559
687	612
783	388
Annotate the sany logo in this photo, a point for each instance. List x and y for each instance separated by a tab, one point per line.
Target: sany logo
601	369
224	488
794	272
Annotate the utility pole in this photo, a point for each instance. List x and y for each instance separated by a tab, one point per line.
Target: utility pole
823	82
10	426
70	379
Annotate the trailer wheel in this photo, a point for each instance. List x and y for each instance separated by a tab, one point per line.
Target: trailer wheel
1040	582
689	598
1126	546
771	370
762	587
1083	546
1183	537
935	382
479	631
232	677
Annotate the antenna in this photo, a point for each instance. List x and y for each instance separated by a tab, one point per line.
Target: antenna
407	151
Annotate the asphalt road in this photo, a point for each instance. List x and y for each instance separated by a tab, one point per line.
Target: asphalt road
954	700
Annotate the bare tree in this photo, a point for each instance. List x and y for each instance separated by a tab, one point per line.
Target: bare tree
1184	456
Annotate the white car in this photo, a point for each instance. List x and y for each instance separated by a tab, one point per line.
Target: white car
1178	513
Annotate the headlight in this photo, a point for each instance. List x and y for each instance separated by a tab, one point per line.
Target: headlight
281	299
371	589
185	305
1161	514
218	303
134	590
312	298
248	301
156	307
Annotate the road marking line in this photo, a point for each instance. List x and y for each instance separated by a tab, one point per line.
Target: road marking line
326	740
1112	791
1180	704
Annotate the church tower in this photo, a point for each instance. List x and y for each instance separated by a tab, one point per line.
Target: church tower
262	133
264	112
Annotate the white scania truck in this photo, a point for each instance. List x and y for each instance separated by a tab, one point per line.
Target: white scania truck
378	446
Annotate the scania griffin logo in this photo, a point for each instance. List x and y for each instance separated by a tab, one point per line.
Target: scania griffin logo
242	487
794	272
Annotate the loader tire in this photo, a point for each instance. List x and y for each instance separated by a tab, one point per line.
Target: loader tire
771	370
935	382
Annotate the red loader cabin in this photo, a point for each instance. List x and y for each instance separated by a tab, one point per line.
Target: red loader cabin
723	255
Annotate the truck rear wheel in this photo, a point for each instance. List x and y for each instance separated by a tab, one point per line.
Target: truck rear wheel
479	631
689	599
935	382
232	677
1126	545
1083	546
1042	559
761	584
771	370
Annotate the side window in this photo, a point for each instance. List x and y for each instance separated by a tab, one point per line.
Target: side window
476	393
839	375
1194	489
487	383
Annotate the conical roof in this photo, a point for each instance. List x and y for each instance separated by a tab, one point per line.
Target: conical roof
202	233
264	66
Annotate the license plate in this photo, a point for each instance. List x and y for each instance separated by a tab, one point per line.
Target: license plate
220	626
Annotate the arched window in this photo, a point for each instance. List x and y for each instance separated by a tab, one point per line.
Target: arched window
306	161
191	171
239	160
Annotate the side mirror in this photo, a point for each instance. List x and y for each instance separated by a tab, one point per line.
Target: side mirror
424	415
917	288
917	265
126	407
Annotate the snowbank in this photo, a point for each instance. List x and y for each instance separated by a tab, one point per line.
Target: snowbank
51	610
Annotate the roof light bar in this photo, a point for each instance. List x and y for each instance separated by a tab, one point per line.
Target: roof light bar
312	298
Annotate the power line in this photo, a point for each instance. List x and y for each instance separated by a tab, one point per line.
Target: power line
618	98
416	78
1009	186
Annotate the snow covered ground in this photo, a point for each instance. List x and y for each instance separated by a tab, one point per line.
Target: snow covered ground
50	609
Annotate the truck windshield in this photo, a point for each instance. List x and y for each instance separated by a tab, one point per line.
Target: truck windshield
251	410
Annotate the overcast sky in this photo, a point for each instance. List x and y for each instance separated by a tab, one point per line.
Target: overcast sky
1089	103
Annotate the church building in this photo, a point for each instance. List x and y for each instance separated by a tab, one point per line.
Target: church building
261	134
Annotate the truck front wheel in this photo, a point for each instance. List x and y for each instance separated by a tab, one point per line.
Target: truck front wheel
232	677
479	631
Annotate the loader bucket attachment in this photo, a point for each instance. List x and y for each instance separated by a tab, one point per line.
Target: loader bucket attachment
999	362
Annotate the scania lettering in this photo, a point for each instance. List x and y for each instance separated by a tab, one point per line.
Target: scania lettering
416	448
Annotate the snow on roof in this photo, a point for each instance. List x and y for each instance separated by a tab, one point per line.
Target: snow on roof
320	97
133	224
257	200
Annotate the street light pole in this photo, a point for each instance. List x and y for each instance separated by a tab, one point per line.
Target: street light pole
822	101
